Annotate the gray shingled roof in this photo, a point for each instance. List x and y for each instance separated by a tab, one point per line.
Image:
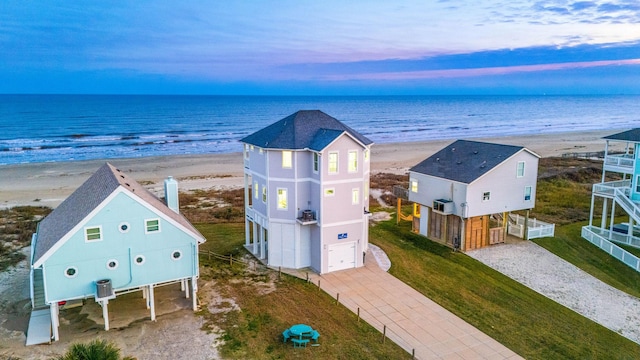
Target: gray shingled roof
305	129
86	198
632	135
465	161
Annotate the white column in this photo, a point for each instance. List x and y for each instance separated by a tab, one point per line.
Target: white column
185	287
152	304
194	289
603	222
55	322
613	217
247	234
256	236
262	243
105	314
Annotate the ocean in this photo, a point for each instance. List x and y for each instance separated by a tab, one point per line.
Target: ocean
46	128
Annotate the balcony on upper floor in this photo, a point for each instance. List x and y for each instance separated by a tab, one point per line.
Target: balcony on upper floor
621	163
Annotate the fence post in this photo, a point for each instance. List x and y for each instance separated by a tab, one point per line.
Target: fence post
338	299
318	284
358	315
413	353
307	276
231	260
384	333
279	272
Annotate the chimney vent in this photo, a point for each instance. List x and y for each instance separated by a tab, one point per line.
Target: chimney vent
171	193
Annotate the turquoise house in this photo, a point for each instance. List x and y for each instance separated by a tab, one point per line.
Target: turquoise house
110	236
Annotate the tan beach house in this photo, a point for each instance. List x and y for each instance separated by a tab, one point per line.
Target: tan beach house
464	193
307	193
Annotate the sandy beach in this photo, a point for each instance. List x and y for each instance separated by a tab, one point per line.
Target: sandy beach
48	184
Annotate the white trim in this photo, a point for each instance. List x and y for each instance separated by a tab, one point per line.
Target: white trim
344	181
116	264
75	268
126	224
342	223
146	226
86	236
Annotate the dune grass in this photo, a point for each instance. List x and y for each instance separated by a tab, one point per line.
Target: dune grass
523	320
255	331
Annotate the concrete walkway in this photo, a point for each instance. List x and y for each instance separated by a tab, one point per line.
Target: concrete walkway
412	321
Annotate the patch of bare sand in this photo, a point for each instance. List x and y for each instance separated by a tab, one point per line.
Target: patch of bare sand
176	333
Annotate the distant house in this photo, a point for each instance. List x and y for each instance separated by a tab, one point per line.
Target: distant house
605	229
307	193
460	187
110	236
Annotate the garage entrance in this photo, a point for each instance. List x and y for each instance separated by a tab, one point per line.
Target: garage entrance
342	256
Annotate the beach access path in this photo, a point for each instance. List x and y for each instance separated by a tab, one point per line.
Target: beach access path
408	318
557	279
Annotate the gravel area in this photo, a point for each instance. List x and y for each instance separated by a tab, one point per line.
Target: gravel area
546	273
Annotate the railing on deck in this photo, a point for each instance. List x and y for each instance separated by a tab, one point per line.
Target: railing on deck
535	228
609	188
622	161
598	236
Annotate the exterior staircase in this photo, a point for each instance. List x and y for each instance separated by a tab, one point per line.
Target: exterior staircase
39	331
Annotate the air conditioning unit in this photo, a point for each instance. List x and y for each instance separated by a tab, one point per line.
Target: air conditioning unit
443	206
307	215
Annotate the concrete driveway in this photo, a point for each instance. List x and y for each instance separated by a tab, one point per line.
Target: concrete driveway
412	321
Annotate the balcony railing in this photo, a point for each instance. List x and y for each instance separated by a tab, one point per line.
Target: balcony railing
624	162
609	188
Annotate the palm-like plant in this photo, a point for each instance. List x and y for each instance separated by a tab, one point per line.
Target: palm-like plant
95	350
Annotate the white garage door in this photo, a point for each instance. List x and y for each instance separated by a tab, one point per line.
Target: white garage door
342	256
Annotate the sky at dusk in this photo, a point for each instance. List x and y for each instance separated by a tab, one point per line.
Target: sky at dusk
320	47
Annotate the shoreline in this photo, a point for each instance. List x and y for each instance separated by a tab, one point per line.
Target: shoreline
49	183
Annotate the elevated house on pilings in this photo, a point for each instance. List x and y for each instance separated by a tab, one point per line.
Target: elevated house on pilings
621	159
109	237
465	193
307	193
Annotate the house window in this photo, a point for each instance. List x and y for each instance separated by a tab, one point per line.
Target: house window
282	199
71	272
638	184
333	163
520	169
486	196
246	151
151	225
414	186
93	233
112	264
176	255
286	159
256	189
527	193
316	162
353	161
124	227
139	260
264	194
329	192
366	155
355	196
251	147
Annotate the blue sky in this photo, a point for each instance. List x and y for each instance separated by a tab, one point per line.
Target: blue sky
320	47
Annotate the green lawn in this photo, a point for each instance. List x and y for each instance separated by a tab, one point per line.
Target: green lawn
255	332
521	319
